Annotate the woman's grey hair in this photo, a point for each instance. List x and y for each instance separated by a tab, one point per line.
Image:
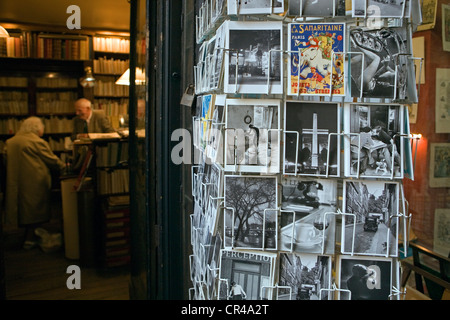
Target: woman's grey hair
31	124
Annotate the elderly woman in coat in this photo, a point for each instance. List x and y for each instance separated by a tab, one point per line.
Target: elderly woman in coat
28	178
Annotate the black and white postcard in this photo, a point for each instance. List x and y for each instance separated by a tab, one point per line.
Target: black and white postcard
250	212
212	254
253	57
252	137
217	10
385	54
237	7
364	278
214	148
370	223
307	219
310	148
316	8
304	276
245	275
381	8
373	143
213	196
200	70
216	75
210	63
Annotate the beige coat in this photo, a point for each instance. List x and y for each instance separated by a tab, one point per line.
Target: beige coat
28	179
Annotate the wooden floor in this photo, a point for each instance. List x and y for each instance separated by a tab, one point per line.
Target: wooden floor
35	275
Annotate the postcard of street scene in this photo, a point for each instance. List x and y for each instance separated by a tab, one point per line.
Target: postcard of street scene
370	224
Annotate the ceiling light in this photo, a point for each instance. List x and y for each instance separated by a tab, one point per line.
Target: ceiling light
88	81
3	33
125	77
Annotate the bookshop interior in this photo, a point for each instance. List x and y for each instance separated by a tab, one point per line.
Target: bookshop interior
225	150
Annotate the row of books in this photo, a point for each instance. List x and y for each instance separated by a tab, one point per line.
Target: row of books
112	182
52	125
111	44
70	49
110	89
56	124
112	107
110	66
115	227
35	45
9	125
111	154
56	83
30	44
40	82
13	81
57	144
55	102
17	107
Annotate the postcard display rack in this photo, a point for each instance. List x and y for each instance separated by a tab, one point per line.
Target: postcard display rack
301	141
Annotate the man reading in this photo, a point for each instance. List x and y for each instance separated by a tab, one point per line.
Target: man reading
88	120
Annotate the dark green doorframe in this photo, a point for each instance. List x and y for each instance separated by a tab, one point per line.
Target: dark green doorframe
163	190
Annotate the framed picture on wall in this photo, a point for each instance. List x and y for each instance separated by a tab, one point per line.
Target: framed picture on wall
440	165
446	27
442	114
441	243
429	8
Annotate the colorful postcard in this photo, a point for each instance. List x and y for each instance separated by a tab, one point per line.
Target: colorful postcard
316	59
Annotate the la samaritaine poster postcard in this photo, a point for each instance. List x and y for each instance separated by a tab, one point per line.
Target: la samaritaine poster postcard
316	59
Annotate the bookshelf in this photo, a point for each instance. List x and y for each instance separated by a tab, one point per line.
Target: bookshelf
45	45
40	71
39	76
111	60
112	189
39	87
